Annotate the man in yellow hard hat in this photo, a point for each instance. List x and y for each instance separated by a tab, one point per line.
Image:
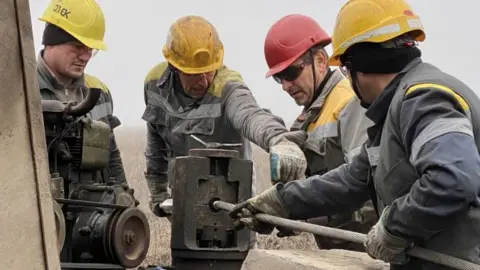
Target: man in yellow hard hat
74	31
421	162
332	116
193	92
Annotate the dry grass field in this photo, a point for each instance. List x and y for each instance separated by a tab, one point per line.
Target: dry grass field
131	143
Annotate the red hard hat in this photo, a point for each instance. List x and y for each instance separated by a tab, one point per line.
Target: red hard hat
289	38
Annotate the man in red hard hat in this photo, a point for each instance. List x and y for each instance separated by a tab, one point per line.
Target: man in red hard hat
332	116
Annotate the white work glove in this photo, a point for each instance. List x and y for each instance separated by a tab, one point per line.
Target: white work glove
380	244
287	161
267	202
158	194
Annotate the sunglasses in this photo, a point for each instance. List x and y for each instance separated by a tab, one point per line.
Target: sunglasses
289	74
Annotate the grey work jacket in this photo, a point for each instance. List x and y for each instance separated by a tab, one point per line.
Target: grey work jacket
228	113
336	125
50	89
421	159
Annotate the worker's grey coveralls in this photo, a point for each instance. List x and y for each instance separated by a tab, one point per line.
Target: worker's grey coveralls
422	159
337	128
50	89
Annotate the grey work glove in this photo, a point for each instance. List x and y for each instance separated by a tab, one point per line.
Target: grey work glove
267	202
380	244
158	194
287	160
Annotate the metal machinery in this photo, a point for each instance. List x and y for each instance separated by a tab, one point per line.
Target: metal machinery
98	223
203	237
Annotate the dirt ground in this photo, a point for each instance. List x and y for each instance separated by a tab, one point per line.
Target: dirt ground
131	143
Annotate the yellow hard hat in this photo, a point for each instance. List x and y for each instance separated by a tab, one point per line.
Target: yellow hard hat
193	46
83	19
373	21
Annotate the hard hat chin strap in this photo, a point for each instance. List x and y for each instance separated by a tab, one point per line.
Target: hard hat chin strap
314	73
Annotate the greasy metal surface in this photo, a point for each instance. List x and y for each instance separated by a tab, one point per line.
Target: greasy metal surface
186	264
102	232
200	234
56	184
59	225
83	266
222	153
90	203
28	235
216	145
131	237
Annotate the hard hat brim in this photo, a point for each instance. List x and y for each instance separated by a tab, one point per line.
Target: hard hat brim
333	61
283	65
91	43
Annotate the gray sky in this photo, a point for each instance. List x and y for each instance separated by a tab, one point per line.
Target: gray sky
136	32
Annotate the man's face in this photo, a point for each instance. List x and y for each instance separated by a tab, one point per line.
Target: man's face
297	79
70	59
362	84
196	85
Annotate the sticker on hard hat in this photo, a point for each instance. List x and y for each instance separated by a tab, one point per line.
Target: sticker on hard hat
61	10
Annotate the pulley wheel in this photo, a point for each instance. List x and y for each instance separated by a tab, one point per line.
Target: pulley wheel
60	228
131	237
109	235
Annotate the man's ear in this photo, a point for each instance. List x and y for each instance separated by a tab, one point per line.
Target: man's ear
321	58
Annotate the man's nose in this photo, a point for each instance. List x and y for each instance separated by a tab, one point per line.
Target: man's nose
85	56
286	85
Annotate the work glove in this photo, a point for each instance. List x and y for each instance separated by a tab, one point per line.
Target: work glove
287	161
380	244
267	202
156	201
158	194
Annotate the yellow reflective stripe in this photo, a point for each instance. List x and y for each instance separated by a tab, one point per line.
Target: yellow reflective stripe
457	97
437	128
101	110
325	131
156	72
94	82
340	95
224	75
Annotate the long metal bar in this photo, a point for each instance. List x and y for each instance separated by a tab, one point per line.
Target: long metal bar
90	203
422	253
103	266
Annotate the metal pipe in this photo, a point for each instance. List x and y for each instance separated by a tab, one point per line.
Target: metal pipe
90	203
91	266
422	253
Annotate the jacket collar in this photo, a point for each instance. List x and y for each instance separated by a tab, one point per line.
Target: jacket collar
377	111
325	88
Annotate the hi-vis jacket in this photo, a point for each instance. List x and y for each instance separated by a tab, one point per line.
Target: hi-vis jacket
421	159
50	89
228	113
336	126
